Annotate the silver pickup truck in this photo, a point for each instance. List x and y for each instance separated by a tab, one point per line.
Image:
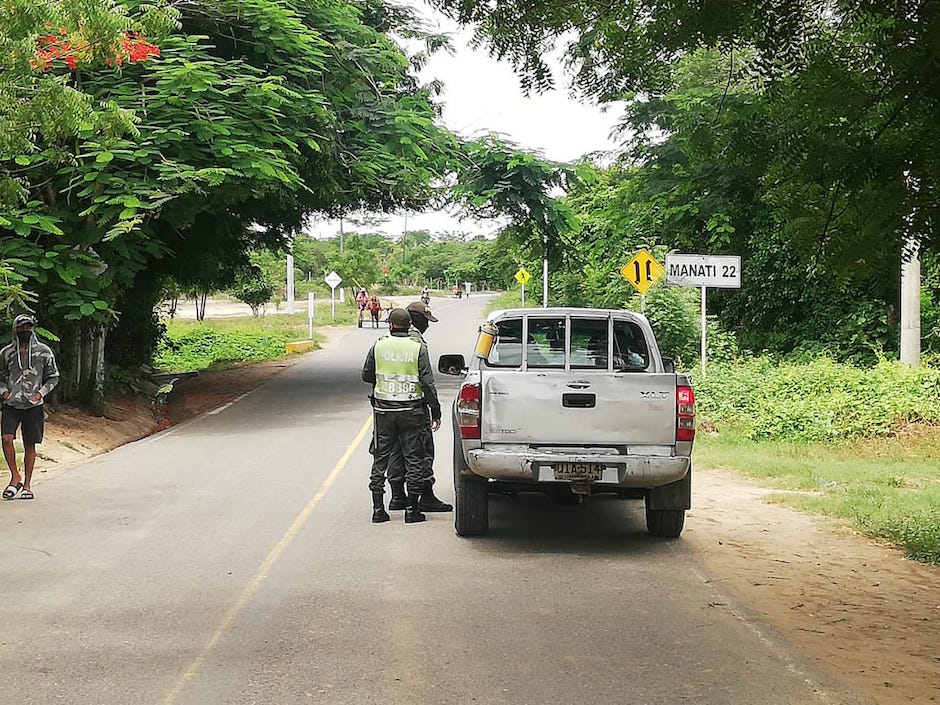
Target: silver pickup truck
573	402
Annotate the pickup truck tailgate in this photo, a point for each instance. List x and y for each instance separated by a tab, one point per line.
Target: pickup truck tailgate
580	407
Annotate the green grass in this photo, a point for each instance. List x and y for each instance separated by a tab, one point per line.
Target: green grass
217	343
889	488
513	299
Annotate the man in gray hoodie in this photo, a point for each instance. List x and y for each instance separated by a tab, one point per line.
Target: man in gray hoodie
28	372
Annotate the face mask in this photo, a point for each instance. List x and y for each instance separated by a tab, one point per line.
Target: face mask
421	323
24	335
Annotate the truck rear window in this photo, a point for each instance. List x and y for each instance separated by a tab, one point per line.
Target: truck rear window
590	344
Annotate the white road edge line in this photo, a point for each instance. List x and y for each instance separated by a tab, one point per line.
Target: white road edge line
225	406
252	587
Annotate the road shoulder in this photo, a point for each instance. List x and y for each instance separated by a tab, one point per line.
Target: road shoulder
866	613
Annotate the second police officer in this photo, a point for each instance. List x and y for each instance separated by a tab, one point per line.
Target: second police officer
421	318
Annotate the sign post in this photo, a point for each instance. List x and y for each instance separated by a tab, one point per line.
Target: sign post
290	279
715	271
523	277
310	313
334	280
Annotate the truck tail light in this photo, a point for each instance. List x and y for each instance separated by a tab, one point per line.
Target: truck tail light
468	411
685	414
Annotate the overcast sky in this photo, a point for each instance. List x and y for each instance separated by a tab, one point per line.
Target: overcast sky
483	95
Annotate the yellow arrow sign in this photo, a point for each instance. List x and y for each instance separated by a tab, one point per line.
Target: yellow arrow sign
642	271
523	276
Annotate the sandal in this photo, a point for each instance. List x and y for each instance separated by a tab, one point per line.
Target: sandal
27	494
12	490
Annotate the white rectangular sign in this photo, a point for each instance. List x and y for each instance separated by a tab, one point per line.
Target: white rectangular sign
712	271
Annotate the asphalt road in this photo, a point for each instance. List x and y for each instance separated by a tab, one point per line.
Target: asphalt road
232	560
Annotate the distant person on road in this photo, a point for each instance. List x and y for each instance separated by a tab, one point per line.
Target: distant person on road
421	318
404	404
362	300
375	310
28	372
426	295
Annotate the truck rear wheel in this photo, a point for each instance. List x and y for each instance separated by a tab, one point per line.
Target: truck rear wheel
472	513
667	523
472	501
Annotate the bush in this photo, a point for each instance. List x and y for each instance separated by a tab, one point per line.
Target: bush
818	401
198	348
253	287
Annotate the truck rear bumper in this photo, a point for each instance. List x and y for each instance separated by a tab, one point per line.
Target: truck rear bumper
619	470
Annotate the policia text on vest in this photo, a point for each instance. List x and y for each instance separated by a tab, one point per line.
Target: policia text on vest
404	396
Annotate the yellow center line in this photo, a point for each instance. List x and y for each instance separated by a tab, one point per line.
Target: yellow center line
266	566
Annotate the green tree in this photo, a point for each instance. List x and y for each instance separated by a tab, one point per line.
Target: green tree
253	287
498	180
252	116
852	145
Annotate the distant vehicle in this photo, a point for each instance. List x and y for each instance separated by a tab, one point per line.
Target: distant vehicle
572	402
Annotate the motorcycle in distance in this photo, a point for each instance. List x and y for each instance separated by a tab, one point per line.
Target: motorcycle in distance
426	296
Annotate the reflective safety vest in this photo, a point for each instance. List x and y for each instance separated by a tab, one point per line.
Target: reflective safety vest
396	369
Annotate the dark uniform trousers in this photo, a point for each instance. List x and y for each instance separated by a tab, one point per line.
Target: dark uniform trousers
405	430
396	462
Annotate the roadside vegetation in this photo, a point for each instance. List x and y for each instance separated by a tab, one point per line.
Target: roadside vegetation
848	442
216	343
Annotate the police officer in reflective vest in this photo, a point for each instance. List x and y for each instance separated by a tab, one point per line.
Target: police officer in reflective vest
421	317
403	397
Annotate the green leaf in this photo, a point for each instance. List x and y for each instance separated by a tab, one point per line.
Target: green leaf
104	157
87	309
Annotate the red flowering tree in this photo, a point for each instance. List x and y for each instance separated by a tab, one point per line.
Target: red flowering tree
76	49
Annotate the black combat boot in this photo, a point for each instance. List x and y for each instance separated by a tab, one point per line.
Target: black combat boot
412	514
399	499
379	514
429	503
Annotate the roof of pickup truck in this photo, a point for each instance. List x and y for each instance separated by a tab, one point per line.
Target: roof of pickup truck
564	311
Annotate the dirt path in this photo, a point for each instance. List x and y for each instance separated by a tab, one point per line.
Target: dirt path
870	617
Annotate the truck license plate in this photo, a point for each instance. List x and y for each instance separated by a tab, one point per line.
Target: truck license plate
578	471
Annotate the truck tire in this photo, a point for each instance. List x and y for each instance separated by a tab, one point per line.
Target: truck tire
667	523
472	501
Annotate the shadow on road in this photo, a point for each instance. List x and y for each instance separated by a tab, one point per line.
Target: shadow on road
602	525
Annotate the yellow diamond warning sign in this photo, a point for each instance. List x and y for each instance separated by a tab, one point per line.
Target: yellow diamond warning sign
642	271
523	276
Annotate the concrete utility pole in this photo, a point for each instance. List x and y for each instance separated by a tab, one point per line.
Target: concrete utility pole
910	302
545	272
910	279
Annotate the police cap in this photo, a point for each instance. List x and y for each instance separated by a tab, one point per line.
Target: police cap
422	308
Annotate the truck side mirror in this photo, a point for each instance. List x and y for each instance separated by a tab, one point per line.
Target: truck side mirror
451	364
669	365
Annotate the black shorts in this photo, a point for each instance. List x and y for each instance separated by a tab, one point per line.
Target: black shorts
33	421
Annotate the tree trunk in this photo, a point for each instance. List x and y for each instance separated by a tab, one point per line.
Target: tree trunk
82	366
201	297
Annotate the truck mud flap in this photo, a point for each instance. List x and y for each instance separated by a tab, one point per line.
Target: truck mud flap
675	495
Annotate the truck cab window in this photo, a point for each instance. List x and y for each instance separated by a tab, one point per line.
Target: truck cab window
545	345
630	350
589	349
507	348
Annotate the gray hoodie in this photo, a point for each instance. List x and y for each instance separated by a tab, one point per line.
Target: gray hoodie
23	373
